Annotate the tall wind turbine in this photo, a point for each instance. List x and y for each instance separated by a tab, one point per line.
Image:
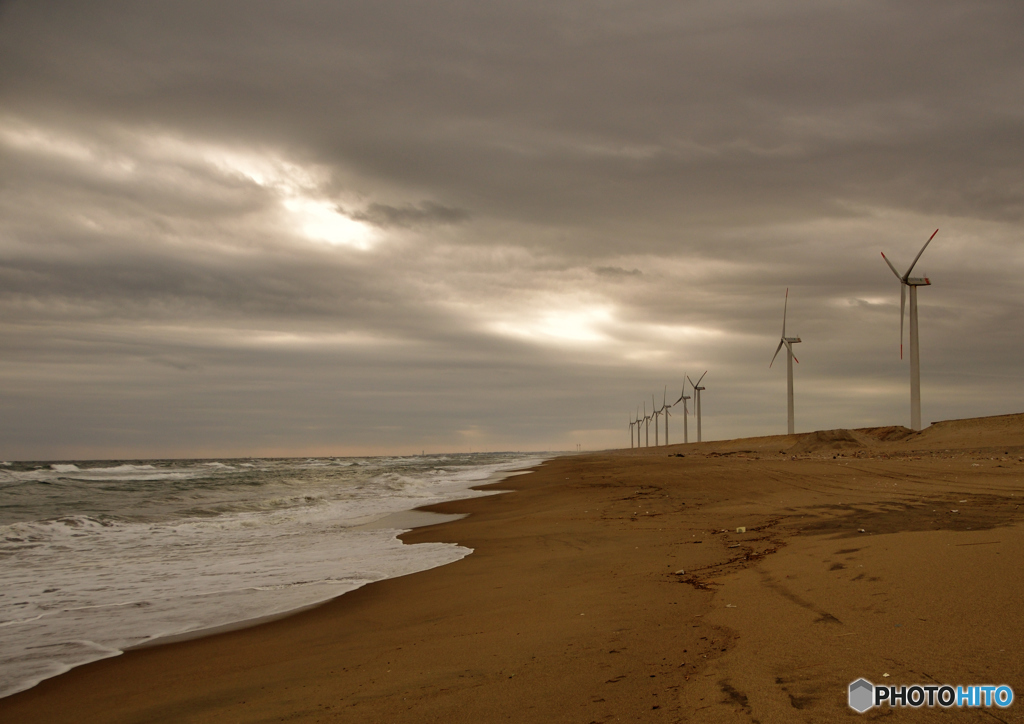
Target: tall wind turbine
683	397
655	412
696	400
664	407
631	423
915	357
789	342
647	427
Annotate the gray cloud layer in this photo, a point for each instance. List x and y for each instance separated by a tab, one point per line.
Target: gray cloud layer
254	228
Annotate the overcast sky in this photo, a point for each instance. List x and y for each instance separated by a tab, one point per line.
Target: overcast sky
362	227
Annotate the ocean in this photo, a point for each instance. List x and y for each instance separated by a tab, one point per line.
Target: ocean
98	557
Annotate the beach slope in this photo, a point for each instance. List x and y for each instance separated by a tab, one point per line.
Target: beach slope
744	580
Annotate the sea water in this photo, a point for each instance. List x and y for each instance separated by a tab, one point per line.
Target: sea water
98	557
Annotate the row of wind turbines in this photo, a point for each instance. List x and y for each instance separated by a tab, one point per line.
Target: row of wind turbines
906	281
644	423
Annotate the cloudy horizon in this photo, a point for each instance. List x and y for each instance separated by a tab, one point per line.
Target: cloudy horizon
234	229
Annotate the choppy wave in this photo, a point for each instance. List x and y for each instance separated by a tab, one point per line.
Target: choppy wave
95	558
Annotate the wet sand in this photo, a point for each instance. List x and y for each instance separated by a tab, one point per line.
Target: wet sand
615	587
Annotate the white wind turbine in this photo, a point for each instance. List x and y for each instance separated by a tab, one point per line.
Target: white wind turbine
631	423
915	357
647	427
655	412
665	407
683	397
789	342
696	401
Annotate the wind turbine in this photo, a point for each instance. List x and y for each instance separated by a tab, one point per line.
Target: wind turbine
683	397
630	434
665	407
789	342
915	357
655	413
647	428
696	400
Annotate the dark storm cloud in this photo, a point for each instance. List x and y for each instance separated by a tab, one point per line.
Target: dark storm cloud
289	225
425	213
617	271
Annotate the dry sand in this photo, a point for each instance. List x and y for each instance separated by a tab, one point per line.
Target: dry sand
614	587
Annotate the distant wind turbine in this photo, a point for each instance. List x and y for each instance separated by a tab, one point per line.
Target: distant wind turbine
647	427
789	342
683	397
915	357
664	407
696	401
655	412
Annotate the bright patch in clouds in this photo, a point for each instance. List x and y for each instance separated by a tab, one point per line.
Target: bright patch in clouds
304	205
568	325
299	188
319	220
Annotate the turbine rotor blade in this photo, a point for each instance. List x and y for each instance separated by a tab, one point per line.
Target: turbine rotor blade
785	308
907	275
891	266
790	348
702	377
781	342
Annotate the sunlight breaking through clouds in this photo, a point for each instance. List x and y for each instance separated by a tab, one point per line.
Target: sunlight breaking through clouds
567	326
304	204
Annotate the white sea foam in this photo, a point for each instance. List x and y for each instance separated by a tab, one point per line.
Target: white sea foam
187	552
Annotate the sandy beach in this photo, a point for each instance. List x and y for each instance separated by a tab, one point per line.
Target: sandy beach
742	580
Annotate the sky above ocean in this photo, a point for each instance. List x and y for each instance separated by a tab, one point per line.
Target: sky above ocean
355	228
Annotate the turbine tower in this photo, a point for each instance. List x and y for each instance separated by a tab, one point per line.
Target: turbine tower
789	342
683	397
630	434
647	427
915	357
696	401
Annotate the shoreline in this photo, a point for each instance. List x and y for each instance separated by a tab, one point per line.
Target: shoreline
403	521
573	606
396	522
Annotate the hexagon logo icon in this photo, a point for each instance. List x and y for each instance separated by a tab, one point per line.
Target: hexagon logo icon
862	694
